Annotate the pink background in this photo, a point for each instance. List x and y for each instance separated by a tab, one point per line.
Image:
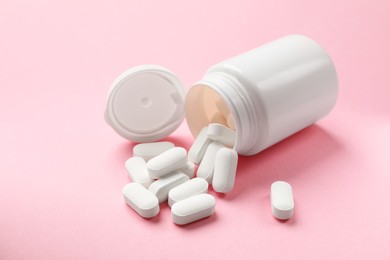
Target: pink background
62	167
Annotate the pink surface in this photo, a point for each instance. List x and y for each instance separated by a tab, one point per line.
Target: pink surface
62	167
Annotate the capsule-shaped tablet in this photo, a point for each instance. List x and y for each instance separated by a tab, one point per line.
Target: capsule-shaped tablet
161	187
282	200
222	134
167	162
141	200
137	171
187	189
192	209
206	167
150	150
225	170
189	170
198	148
230	122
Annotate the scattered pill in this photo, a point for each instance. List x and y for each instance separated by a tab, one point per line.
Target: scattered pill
167	162
150	150
225	170
222	107
137	171
230	122
187	189
282	201
173	168
206	167
161	187
189	170
222	134
141	200
192	209
199	147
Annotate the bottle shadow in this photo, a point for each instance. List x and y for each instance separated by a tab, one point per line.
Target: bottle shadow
285	160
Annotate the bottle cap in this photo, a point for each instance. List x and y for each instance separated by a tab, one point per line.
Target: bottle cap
145	103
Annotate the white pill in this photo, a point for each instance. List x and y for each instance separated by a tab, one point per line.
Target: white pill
218	118
230	122
199	147
187	189
137	171
189	170
167	162
161	187
206	167
150	150
282	201
222	134
222	107
225	170
193	209
141	200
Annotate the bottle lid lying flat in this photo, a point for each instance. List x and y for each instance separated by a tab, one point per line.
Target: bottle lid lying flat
145	103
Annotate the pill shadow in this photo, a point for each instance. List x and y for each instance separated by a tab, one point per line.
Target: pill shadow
290	158
135	215
286	222
199	223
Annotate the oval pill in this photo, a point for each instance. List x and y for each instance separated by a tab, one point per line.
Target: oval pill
198	148
167	162
282	201
141	200
150	150
161	187
225	170
187	189
137	171
192	209
222	134
206	167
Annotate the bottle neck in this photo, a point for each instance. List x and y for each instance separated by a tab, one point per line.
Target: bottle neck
241	106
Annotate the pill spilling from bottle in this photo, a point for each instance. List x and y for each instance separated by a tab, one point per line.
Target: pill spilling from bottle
162	172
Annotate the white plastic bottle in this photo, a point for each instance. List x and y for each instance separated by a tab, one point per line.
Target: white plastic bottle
272	92
266	94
